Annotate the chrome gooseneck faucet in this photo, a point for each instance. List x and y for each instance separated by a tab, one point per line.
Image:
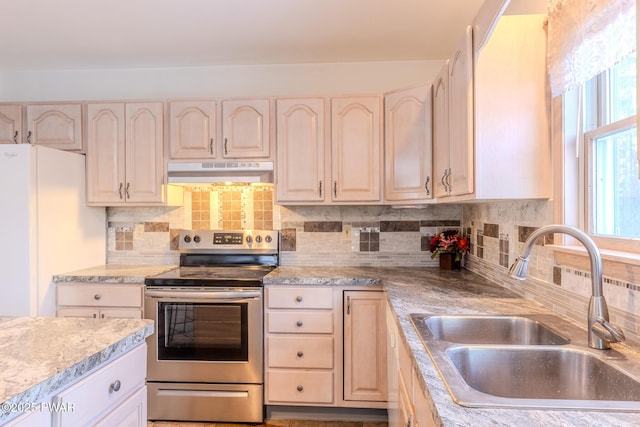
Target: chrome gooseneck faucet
601	332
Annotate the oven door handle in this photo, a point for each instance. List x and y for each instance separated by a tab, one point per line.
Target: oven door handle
203	295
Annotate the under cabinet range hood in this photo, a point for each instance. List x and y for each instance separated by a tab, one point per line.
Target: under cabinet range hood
220	172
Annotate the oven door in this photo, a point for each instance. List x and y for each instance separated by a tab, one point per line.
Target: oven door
207	336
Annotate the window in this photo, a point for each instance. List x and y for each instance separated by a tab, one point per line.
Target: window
611	181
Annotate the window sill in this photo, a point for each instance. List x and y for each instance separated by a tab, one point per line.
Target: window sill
617	264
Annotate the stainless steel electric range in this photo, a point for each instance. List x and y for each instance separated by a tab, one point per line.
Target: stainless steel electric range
206	355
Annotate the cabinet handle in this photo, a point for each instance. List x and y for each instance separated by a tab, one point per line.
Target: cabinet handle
299	323
115	386
126	191
300	388
426	186
300	354
409	421
348	305
15	137
225	147
120	191
211	146
442	180
335	188
102	315
29	137
449	180
298	298
95	316
97	297
320	188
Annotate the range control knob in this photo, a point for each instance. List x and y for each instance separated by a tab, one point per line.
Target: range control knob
249	239
258	239
268	239
187	238
196	238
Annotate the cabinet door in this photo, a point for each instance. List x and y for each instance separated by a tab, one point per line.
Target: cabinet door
461	159
78	312
105	153
144	156
300	138
407	119
130	413
405	405
55	126
441	132
192	129
10	124
365	346
120	313
245	129
355	149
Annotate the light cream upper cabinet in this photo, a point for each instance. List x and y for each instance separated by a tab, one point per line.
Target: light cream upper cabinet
441	131
192	130
365	347
408	145
300	142
245	129
10	124
55	126
512	110
453	123
124	154
356	149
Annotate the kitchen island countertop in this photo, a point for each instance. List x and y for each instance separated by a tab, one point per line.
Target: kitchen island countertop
430	290
42	355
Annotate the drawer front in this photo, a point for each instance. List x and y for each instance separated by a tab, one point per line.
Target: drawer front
300	298
302	322
96	394
300	387
300	352
100	295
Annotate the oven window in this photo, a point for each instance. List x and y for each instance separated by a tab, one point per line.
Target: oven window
201	331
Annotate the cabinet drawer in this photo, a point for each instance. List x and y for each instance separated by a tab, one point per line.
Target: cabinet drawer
100	295
310	322
300	352
300	387
300	298
96	394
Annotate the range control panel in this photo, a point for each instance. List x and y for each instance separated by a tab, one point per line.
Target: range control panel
229	241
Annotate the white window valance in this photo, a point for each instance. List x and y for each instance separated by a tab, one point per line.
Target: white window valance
585	37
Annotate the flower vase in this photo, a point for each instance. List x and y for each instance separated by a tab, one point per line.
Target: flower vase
448	262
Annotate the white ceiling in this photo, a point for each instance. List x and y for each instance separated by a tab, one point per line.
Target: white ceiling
82	34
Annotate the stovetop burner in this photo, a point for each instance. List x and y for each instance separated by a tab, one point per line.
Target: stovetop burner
221	258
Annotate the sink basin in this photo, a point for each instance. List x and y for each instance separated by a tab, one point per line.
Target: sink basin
492	330
543	373
519	362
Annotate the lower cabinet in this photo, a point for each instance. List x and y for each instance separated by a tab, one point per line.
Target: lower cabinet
408	404
99	300
318	346
113	395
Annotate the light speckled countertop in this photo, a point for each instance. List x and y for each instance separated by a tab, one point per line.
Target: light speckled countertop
429	290
113	273
42	355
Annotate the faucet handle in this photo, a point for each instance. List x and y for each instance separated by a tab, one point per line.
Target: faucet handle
607	331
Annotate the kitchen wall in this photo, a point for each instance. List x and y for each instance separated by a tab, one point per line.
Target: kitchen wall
498	231
310	235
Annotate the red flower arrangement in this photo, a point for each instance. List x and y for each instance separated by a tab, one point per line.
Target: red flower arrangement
449	242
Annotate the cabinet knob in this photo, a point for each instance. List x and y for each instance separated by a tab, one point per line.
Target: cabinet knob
115	386
299	388
298	298
97	297
15	137
300	354
299	323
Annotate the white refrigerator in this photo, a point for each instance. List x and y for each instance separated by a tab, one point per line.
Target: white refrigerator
46	227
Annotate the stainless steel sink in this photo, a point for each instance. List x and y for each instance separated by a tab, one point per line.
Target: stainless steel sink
541	377
492	330
520	362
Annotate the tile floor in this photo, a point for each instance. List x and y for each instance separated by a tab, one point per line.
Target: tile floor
270	423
